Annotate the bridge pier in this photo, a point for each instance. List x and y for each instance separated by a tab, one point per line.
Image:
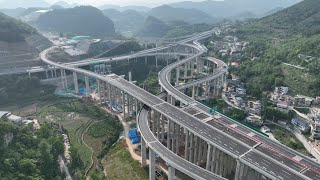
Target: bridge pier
62	80
143	153
171	173
185	70
152	165
86	80
75	81
177	76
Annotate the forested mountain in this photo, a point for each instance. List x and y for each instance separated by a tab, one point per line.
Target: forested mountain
81	20
303	17
124	8
230	8
12	30
284	37
154	27
168	13
128	20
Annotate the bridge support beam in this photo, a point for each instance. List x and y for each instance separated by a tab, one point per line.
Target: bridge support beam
143	153
186	147
62	81
152	165
75	81
86	80
185	70
171	173
177	76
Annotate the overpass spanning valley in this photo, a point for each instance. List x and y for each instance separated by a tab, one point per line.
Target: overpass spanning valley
181	131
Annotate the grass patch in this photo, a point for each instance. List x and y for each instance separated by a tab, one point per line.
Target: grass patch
120	165
83	119
297	80
287	138
303	110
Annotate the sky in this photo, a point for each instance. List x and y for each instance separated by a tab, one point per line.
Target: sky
122	2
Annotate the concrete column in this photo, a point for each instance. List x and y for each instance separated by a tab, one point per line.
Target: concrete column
178	132
169	134
221	158
193	91
153	119
55	72
178	76
65	80
157	117
173	137
123	102
109	93
47	76
197	91
62	81
143	153
156	62
185	70
171	173
152	165
186	147
209	157
130	76
195	154
192	68
216	162
52	75
191	147
162	127
104	92
86	79
146	60
98	88
173	100
75	80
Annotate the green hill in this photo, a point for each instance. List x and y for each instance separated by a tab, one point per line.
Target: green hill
12	30
284	37
81	20
192	16
302	18
154	27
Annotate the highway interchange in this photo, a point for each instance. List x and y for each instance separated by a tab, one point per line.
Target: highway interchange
260	153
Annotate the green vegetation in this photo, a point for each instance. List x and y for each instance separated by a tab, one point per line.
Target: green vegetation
96	24
271	113
287	138
151	84
29	155
17	89
192	16
86	124
155	27
13	30
222	107
119	160
278	39
303	110
125	48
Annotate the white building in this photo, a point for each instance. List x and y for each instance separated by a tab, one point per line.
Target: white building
302	125
13	118
254	120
